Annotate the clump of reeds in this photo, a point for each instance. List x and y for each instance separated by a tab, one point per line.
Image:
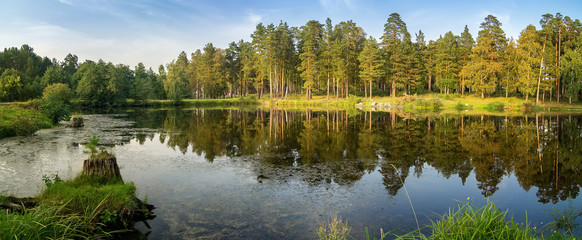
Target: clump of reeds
334	229
488	222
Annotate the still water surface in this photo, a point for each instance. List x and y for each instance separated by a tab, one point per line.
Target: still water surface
274	174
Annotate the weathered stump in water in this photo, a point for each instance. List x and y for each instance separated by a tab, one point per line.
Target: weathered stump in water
77	121
104	165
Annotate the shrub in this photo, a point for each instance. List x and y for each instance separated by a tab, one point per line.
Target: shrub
434	104
459	106
27	123
527	107
353	100
55	109
60	91
495	106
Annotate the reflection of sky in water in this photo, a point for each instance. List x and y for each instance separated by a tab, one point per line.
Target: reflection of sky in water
225	199
243	197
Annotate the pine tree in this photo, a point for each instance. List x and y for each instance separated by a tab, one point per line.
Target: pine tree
511	64
370	63
393	41
486	59
176	81
311	37
466	44
446	62
528	52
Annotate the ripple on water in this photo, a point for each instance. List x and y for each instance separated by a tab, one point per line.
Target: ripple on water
25	159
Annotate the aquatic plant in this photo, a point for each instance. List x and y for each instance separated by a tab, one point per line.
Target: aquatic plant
565	220
334	229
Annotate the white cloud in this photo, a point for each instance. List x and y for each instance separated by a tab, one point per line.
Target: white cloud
54	41
333	5
66	2
254	18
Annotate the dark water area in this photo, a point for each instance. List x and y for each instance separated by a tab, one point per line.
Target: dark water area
277	174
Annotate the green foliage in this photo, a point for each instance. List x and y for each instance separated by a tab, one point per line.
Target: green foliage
50	180
460	106
108	216
370	63
45	223
16	120
92	145
55	108
495	106
103	84
142	89
565	220
469	222
382	235
89	195
527	107
69	209
311	37
334	229
27	123
353	100
10	85
176	81
427	104
59	91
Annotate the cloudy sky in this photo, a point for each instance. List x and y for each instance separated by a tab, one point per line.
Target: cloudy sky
155	32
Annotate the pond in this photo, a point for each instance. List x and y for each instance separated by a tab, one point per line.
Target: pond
277	174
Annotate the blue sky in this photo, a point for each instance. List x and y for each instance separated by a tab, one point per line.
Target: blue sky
155	32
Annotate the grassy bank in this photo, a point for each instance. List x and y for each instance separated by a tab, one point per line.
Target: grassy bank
84	207
451	103
466	221
224	102
21	119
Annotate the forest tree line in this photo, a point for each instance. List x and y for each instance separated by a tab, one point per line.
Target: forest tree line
326	59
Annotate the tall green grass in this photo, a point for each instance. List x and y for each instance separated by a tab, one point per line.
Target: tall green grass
466	221
21	120
334	229
89	192
43	223
470	222
80	208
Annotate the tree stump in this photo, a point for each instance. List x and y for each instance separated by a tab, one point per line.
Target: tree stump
104	165
77	121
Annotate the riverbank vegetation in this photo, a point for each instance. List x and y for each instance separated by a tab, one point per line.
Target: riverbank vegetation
83	207
466	221
95	204
21	119
27	117
326	59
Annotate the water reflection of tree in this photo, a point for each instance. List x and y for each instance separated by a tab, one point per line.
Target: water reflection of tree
443	150
338	146
483	144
